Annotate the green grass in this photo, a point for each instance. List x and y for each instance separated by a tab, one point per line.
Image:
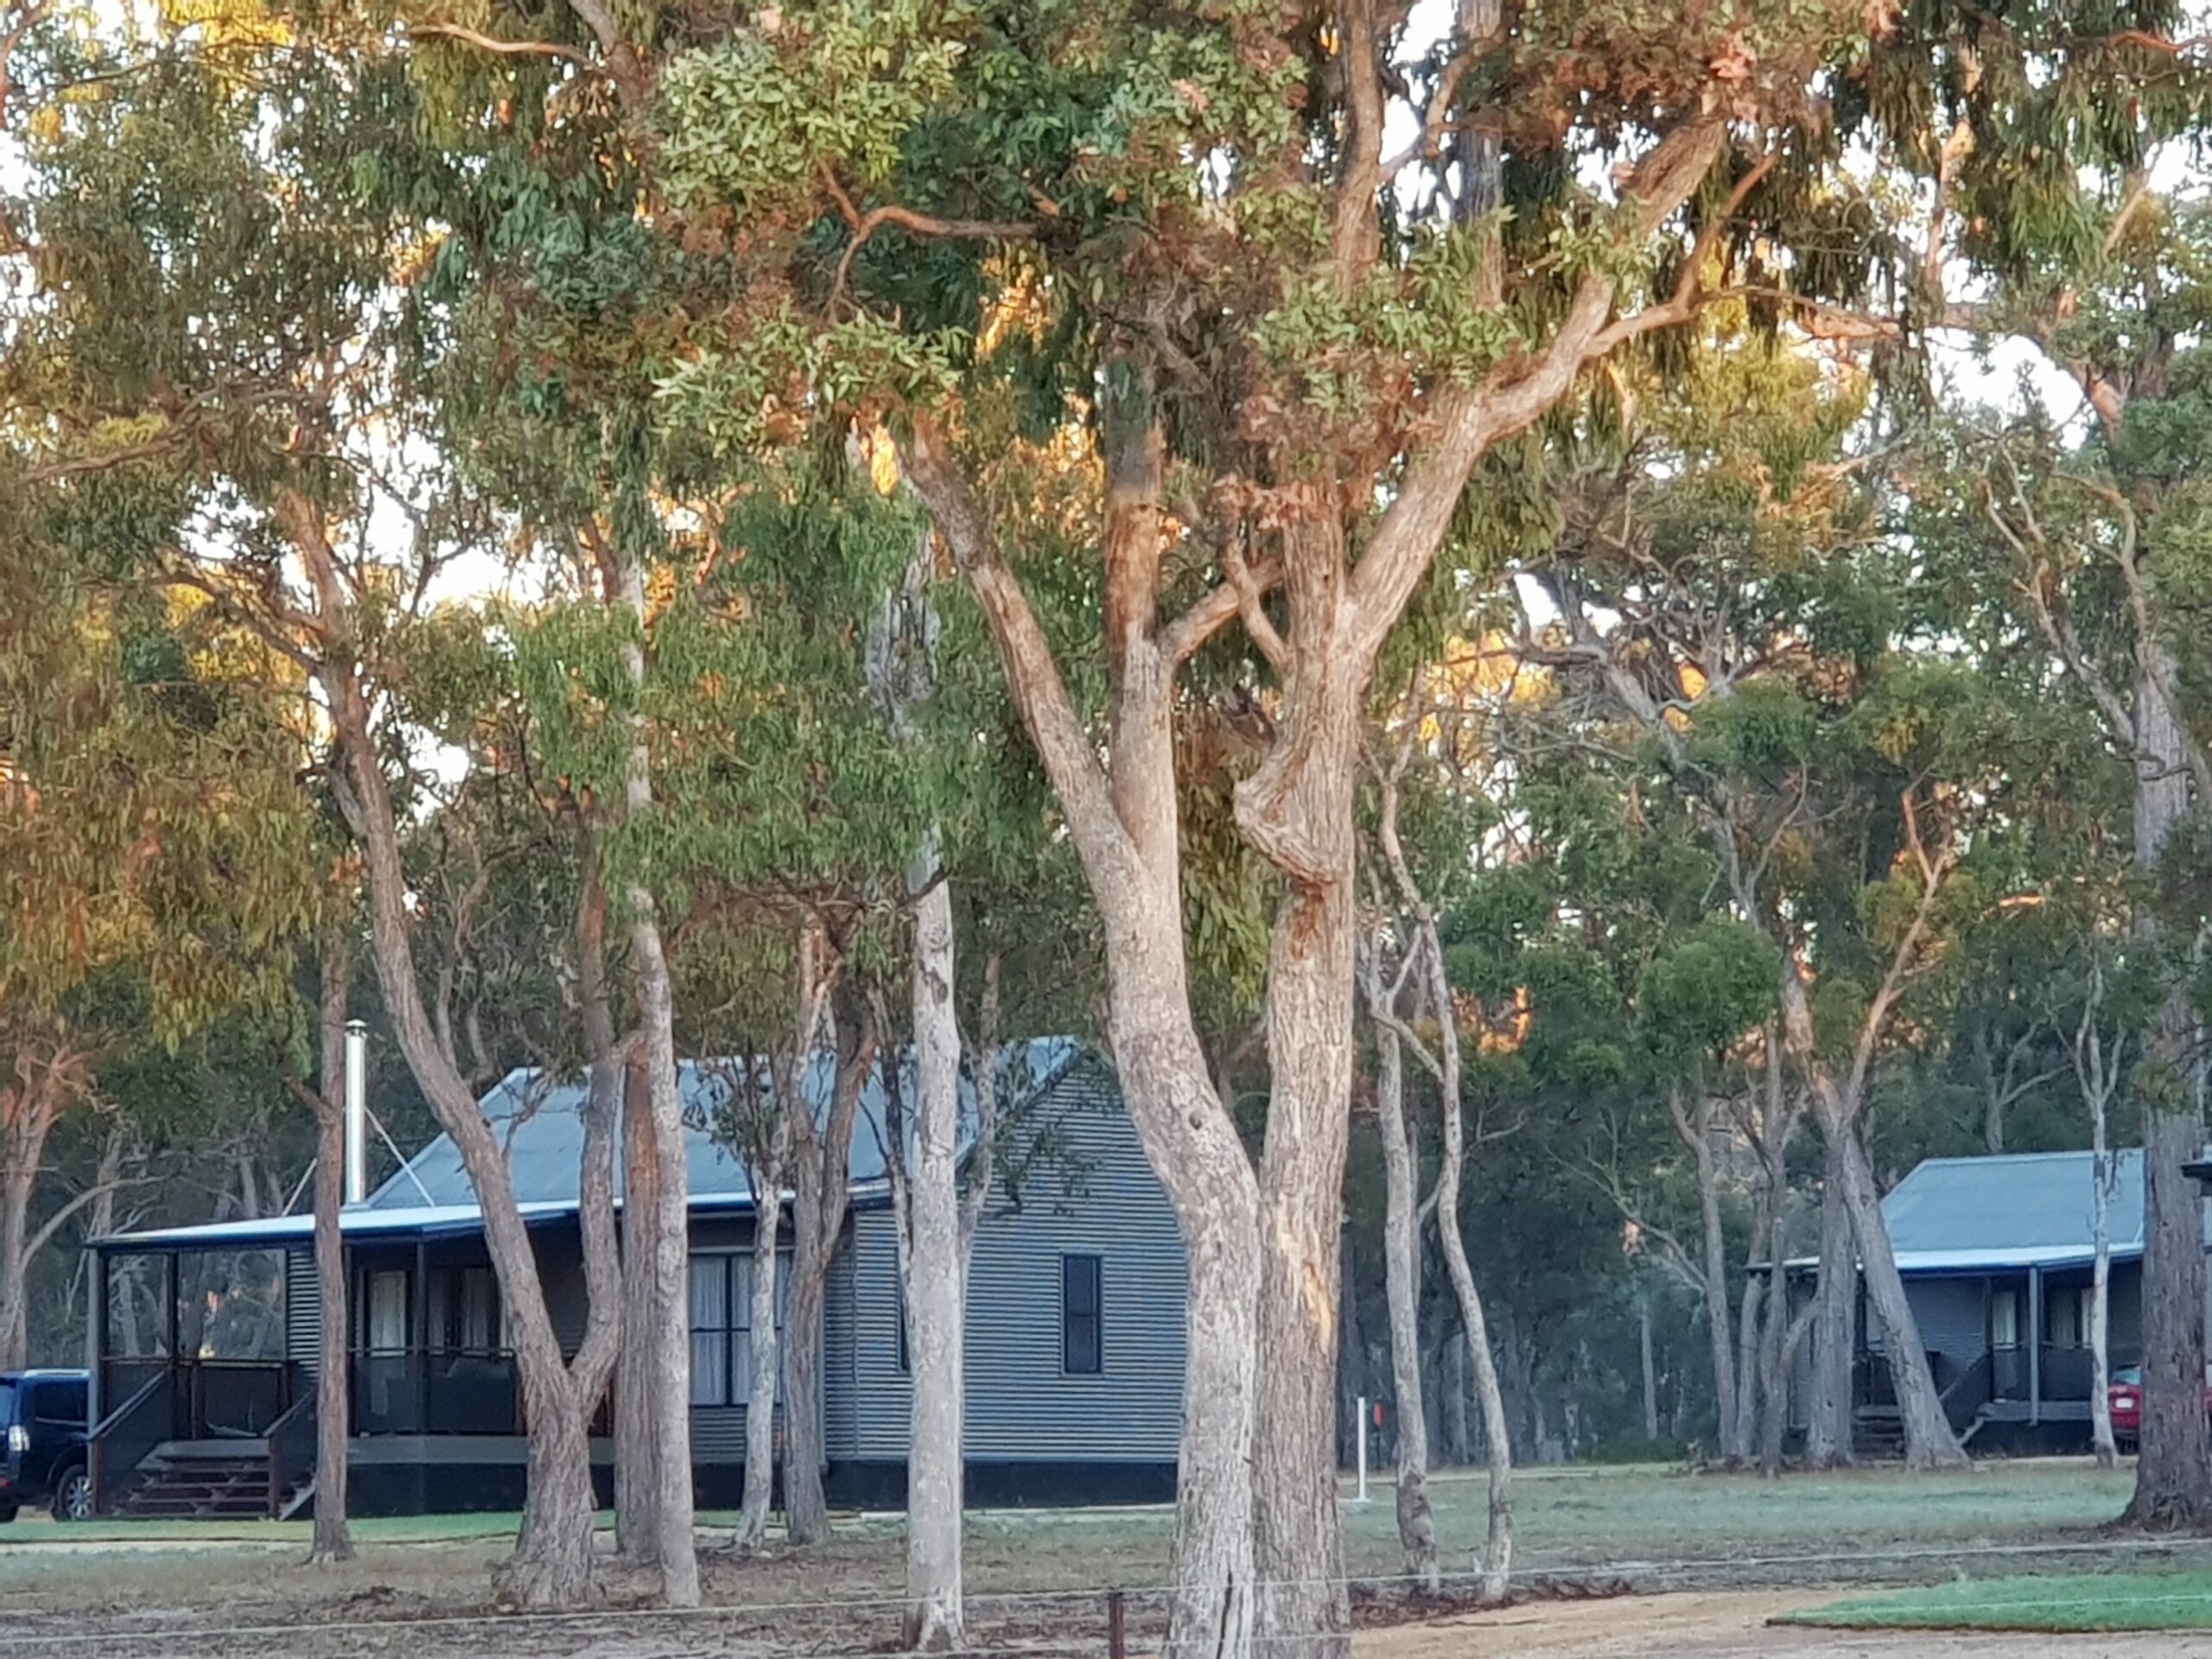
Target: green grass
1588	1516
2088	1602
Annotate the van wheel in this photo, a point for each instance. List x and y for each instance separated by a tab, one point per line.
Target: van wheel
73	1496
7	1513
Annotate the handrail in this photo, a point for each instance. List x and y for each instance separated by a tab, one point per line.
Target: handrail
103	1435
281	1462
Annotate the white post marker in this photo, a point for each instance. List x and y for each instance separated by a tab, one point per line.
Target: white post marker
1362	1448
357	1111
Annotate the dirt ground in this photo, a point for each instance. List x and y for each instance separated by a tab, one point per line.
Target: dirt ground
1680	1625
1725	1626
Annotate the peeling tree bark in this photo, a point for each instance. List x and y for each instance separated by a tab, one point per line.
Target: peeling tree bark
1402	1283
334	1537
1828	1438
637	1388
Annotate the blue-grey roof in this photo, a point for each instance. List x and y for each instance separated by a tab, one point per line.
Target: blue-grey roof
541	1119
1962	1215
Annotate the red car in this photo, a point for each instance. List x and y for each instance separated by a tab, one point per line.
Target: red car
2126	1394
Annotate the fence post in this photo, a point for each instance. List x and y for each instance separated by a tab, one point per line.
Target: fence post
1118	1635
1362	1448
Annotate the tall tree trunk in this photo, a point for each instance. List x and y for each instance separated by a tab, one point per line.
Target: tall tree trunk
1298	1528
1746	1431
333	1538
1123	818
764	1358
552	1561
2100	1434
1651	1370
1929	1440
637	1384
551	1565
669	1238
1695	1135
1829	1419
1454	1449
1402	1283
2173	1473
28	1108
821	1161
936	1618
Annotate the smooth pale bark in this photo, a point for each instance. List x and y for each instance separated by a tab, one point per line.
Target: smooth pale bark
669	1239
29	1108
1121	817
636	1419
1402	1284
821	1158
1444	1065
1649	1369
936	1618
552	1562
1930	1441
333	1538
2173	1470
764	1364
2097	1063
2100	1434
1695	1134
1828	1437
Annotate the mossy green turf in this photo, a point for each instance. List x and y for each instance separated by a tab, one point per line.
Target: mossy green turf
1563	1518
2081	1602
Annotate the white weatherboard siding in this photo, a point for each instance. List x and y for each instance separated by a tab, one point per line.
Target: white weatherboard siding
1100	1198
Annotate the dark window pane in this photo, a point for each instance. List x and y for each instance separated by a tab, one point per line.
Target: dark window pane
1082	1309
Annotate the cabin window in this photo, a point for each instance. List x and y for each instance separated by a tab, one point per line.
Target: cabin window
722	1315
384	1312
2066	1316
722	1325
2004	1320
465	1311
1083	1349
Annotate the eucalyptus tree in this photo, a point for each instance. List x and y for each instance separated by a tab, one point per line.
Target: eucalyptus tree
2039	139
949	228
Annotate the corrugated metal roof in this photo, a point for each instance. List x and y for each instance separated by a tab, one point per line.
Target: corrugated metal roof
272	1232
2017	1210
542	1123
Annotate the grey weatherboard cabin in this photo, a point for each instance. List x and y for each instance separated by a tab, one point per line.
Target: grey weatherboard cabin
1996	1255
205	1339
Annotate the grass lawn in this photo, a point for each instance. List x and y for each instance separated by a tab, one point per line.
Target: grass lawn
2087	1602
1564	1519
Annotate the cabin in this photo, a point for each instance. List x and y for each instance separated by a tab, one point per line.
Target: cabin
1996	1253
204	1340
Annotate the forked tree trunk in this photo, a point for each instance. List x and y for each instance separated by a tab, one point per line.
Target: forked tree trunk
637	1386
669	1235
551	1565
1402	1284
1829	1415
821	1162
333	1538
1695	1135
936	1618
764	1360
1444	1065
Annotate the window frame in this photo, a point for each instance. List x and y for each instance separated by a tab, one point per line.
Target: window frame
1070	1317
